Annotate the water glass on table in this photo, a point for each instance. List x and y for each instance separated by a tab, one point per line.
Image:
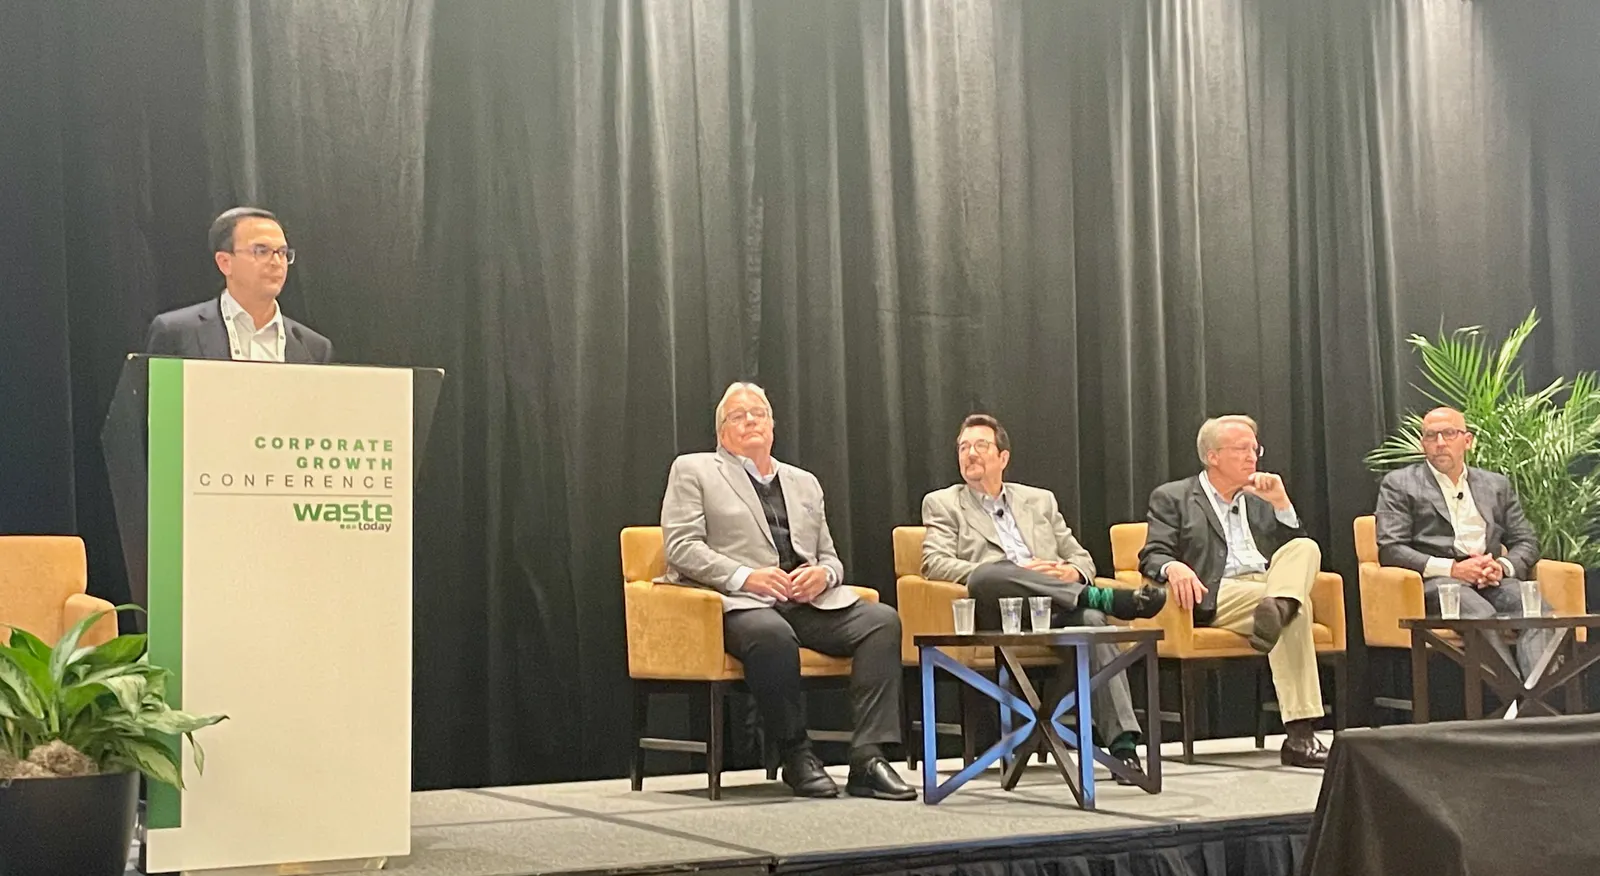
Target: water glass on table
1039	613
965	616
1450	599
1011	615
1532	601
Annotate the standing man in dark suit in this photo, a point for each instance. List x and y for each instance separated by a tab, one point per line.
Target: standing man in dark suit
1444	520
1231	548
244	322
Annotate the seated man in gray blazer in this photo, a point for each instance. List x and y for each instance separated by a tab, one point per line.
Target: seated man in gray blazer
244	322
754	529
1444	521
1230	547
1004	540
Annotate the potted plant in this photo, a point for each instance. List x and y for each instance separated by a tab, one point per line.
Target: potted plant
1546	441
78	726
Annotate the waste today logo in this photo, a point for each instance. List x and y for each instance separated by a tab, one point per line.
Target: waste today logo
346	482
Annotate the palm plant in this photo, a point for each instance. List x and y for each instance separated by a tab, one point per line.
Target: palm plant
1547	441
71	710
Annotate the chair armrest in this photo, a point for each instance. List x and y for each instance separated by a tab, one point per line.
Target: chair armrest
1176	623
925	609
674	632
1327	605
867	594
1562	585
80	605
1388	594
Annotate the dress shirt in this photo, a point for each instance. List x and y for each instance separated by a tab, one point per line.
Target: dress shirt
1472	531
1005	524
245	341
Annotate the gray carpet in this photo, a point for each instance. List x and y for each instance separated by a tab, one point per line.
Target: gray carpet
603	825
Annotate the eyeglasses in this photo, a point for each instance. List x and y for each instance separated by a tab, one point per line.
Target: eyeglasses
261	252
757	414
1255	450
1441	435
982	445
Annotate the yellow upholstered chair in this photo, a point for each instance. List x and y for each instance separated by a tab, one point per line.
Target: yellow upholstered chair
1390	594
1197	650
43	579
925	608
675	641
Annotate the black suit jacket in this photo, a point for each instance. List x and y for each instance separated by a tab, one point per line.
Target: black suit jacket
197	332
1413	521
1183	527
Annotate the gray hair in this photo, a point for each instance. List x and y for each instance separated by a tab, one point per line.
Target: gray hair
1211	433
737	387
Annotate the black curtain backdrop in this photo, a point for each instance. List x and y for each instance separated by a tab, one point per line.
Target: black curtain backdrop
1100	221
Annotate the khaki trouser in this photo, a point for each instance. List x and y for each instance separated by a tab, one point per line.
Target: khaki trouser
1291	573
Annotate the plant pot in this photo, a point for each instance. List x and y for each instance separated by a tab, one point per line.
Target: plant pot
79	826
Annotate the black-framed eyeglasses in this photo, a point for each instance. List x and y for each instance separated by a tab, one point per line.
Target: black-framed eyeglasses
1442	435
261	252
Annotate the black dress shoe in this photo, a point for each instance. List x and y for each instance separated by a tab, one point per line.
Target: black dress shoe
1131	759
1272	614
1308	752
804	775
1145	602
878	780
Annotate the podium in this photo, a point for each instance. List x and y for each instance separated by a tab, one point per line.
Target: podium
266	517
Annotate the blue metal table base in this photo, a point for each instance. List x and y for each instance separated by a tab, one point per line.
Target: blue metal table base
1030	733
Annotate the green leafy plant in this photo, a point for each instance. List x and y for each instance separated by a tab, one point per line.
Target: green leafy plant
73	710
1546	441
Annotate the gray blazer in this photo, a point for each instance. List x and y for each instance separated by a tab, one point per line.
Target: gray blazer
1183	527
961	535
712	522
197	332
1413	522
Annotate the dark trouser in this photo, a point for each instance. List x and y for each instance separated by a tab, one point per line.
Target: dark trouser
768	642
990	582
1503	598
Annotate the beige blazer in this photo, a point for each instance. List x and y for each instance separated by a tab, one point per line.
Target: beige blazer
712	522
961	535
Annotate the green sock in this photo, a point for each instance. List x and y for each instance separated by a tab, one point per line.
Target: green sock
1098	598
1125	743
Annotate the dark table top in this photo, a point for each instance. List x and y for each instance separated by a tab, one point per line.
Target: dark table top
1503	622
1059	637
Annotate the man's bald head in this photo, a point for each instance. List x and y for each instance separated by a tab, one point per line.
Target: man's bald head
1445	441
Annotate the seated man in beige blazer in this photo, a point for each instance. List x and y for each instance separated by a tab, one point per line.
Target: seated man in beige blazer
1004	540
752	528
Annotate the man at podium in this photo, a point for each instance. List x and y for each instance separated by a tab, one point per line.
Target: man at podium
244	322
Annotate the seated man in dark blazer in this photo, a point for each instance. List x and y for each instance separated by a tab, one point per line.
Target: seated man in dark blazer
1230	547
752	528
1005	539
1444	521
244	322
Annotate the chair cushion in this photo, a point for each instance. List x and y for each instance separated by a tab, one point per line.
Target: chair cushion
812	663
1213	639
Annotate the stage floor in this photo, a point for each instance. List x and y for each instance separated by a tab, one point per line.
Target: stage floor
671	826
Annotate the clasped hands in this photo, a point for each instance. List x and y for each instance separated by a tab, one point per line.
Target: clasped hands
802	585
1479	570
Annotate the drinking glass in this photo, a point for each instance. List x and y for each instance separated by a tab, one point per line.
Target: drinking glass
965	613
1039	612
1532	602
1450	600
1011	615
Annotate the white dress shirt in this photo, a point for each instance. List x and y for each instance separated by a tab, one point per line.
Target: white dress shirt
245	341
1243	556
1472	531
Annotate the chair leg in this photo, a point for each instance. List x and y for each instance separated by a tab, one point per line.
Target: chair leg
970	718
714	743
641	711
911	704
1261	711
1187	682
769	756
1341	692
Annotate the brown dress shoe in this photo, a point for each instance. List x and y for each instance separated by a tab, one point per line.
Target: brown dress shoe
1304	751
1272	614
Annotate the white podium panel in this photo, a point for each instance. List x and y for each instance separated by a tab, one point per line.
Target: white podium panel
280	579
